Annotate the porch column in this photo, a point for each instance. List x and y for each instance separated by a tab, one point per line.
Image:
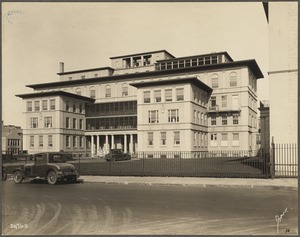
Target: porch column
106	142
125	143
131	144
92	145
98	144
112	142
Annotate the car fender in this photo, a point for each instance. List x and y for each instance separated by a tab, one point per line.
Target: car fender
21	169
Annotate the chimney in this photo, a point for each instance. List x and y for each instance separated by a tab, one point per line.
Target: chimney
61	67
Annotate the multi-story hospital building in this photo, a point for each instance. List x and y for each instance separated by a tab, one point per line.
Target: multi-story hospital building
149	101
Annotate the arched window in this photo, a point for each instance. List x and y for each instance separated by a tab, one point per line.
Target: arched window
107	91
233	79
78	91
92	92
124	90
214	81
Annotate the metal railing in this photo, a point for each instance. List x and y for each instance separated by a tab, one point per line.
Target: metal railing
279	161
243	164
285	158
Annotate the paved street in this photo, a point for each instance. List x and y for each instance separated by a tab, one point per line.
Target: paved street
95	208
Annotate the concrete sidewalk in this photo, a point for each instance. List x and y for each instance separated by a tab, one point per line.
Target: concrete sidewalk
279	183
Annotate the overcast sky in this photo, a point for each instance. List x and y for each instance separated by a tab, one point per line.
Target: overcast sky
37	36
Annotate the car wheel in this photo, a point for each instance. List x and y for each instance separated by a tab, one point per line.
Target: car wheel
18	177
52	177
72	179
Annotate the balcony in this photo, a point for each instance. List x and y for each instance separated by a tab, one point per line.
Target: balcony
219	109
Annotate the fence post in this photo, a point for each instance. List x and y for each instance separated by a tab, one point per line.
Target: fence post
272	159
143	157
79	164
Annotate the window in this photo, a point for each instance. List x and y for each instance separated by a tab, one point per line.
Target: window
67	105
36	105
213	102
44	105
74	141
168	95
74	107
153	116
48	122
207	60
195	116
81	141
214	59
107	91
50	141
213	120
235	119
235	139
224	101
80	108
41	143
93	93
224	119
202	118
150	138
29	106
179	94
68	141
83	77
213	139
195	96
147	60
177	138
31	141
146	96
81	124
124	90
199	118
195	139
235	102
157	96
224	141
163	138
67	122
33	122
214	81
233	79
52	104
173	115
74	123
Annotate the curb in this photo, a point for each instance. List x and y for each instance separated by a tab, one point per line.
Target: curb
202	185
196	185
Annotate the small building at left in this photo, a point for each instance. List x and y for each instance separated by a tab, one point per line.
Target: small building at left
12	139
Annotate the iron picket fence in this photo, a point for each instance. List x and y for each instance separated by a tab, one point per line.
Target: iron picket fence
285	158
280	161
243	164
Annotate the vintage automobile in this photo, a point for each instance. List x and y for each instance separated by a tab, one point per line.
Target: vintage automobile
51	166
116	155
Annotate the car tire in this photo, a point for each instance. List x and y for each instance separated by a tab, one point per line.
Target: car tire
52	177
72	179
18	177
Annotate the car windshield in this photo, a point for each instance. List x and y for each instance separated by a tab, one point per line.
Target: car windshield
116	151
57	158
